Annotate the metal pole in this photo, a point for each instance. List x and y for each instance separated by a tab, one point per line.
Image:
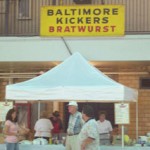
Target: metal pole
137	121
39	109
122	131
122	137
69	50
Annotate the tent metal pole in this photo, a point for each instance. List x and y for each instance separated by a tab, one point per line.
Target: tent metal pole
137	121
122	127
39	107
122	131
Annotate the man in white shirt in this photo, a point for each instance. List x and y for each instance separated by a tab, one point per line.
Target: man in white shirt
74	126
89	136
43	127
105	129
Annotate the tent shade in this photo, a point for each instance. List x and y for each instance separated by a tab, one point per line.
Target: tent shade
74	79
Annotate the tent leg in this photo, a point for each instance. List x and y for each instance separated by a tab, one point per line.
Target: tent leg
39	107
137	124
122	127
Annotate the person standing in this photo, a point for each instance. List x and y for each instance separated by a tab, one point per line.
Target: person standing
57	124
74	126
89	136
105	129
11	130
43	127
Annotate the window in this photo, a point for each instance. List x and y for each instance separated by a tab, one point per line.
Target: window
106	107
144	83
82	1
24	9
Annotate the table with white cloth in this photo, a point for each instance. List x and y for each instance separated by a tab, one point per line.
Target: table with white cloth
61	147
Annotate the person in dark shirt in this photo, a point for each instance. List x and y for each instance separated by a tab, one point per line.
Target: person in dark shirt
57	123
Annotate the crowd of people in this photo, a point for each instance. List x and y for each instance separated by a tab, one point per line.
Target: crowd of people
83	132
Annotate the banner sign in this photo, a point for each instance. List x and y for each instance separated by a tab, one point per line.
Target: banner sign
122	113
89	20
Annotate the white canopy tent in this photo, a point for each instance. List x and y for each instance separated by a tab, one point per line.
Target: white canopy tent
74	79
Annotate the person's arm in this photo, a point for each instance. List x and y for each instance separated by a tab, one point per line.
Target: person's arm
24	131
86	142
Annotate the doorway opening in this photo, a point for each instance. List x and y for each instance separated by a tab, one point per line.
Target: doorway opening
106	107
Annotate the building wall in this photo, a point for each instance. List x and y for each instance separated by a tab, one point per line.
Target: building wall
144	111
137	16
143	106
2	89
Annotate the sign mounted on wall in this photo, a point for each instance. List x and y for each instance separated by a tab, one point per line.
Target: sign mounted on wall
101	20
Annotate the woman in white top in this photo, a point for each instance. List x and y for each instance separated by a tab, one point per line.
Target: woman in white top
43	127
105	128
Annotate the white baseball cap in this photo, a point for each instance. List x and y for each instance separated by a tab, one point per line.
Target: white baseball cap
72	103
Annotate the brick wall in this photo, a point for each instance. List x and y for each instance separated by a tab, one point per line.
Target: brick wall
144	111
143	106
2	89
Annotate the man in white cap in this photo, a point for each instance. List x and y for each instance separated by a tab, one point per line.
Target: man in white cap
74	126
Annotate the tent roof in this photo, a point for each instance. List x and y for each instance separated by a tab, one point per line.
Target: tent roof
74	79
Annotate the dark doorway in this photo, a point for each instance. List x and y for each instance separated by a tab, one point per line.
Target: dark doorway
107	107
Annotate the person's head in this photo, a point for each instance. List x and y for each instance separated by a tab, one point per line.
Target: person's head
115	129
11	115
72	107
55	115
87	112
102	116
43	114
